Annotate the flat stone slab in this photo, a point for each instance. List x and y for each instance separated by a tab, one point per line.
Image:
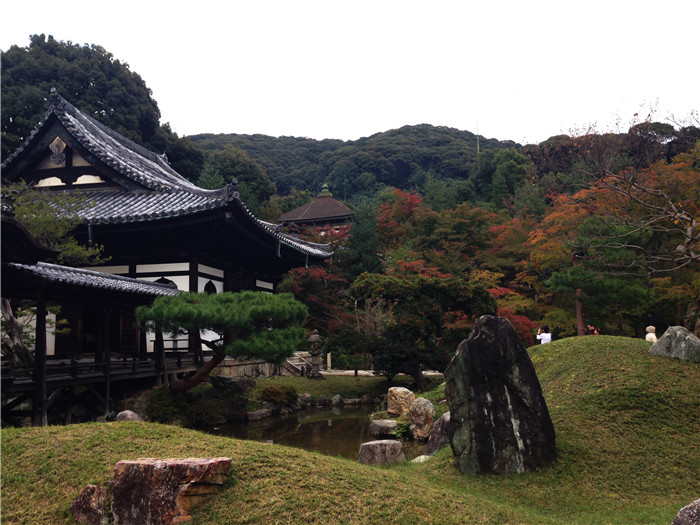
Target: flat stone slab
150	490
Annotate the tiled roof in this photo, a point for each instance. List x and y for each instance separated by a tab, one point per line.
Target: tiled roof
319	209
160	191
54	273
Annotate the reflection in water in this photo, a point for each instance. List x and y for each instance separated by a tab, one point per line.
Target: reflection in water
331	431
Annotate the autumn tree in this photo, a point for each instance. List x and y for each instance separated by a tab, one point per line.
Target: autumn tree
321	291
248	324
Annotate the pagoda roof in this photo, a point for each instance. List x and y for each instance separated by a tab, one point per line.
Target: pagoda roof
138	184
324	208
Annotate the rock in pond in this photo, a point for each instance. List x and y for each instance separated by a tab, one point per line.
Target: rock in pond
381	452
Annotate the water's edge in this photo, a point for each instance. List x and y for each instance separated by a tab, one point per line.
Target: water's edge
332	431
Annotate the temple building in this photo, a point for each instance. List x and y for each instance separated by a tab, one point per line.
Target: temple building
154	225
324	210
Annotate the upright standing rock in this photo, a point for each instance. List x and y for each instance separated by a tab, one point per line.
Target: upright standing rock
421	415
398	400
499	421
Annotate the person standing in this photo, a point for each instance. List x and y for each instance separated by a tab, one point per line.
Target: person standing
543	335
651	334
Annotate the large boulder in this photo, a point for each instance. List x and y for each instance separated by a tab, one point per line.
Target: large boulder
381	452
499	422
421	415
231	386
688	515
398	400
163	491
438	435
678	342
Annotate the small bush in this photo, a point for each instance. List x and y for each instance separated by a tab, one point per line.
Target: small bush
204	412
403	424
164	407
280	394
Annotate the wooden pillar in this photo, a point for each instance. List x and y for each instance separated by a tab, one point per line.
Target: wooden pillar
143	342
107	334
160	354
101	347
39	415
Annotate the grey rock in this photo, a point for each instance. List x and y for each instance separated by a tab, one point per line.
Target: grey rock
232	386
254	415
678	342
420	459
128	415
337	400
688	515
381	452
499	422
421	415
438	435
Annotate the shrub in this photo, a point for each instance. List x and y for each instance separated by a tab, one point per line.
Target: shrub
280	394
403	424
164	407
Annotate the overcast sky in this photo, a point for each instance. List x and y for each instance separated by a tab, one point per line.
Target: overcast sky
519	70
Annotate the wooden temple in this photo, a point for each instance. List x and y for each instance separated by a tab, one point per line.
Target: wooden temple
161	232
323	210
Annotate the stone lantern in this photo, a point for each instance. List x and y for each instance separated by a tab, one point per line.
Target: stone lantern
314	341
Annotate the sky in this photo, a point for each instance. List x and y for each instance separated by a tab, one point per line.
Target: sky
521	70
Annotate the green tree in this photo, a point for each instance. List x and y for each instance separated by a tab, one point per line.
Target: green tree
249	324
92	79
430	315
51	217
254	185
361	251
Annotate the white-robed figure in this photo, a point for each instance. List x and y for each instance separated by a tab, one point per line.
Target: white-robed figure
651	334
543	335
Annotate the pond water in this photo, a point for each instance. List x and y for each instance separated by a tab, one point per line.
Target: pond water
331	431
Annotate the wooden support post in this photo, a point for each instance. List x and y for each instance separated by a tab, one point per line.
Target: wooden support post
160	353
143	343
39	415
108	358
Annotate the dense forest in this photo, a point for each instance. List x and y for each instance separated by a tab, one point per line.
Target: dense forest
599	229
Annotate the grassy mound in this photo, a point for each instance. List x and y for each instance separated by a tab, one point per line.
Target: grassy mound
627	437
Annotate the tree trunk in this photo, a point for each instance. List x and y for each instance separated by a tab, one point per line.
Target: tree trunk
422	382
188	383
580	317
692	317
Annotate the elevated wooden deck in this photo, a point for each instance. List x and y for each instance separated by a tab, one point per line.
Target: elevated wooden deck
61	374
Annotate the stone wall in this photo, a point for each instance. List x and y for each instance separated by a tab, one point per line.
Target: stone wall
250	368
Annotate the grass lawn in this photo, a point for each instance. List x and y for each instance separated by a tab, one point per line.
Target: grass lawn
627	424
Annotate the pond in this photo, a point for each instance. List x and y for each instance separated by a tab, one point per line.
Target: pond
332	431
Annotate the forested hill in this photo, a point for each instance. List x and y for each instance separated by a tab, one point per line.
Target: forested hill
402	158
